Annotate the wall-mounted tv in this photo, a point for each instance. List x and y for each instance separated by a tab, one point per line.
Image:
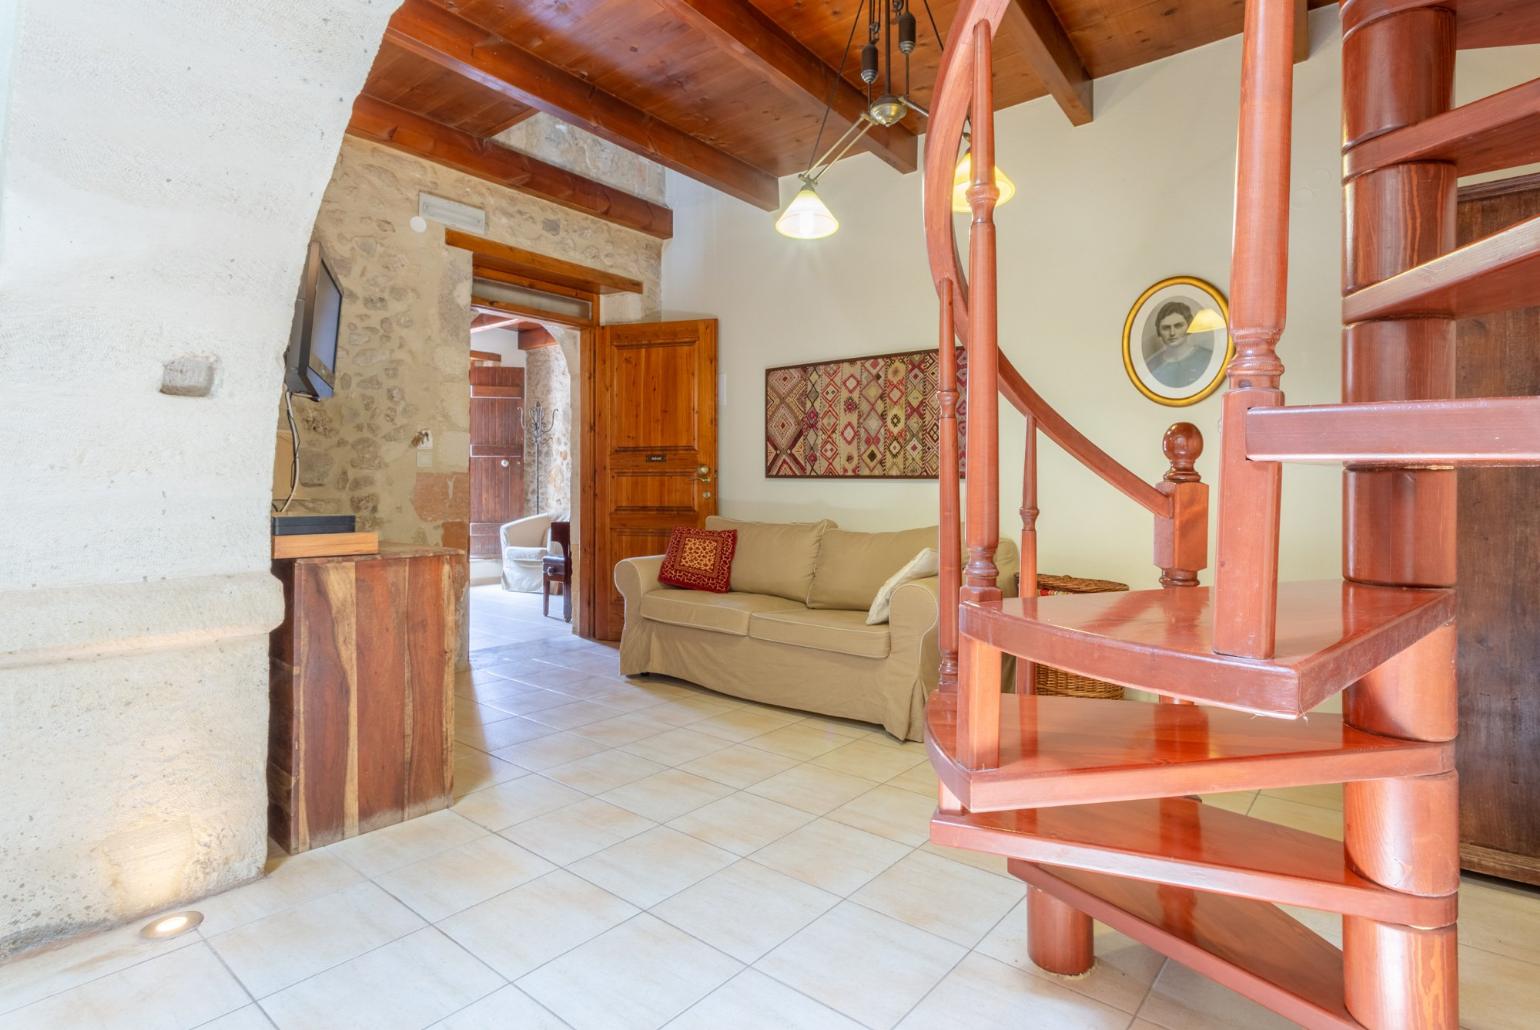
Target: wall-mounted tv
310	365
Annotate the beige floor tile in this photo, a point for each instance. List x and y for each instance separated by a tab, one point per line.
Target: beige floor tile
553	914
475	769
977	859
550	751
982	992
603	771
948	899
1183	1000
1120	978
1497	992
889	812
745	909
831	856
918	779
59	967
288	881
666	795
739	724
524	699
471	714
676	746
867	966
848	728
284	948
1323	795
392	847
753	1001
811	789
639	975
1234	801
1311	818
651	866
801	740
691	709
623	729
1500	917
505	733
739	766
453	880
249	1018
577	831
617	695
407	984
175	990
741	823
871	761
570	716
507	1009
500	806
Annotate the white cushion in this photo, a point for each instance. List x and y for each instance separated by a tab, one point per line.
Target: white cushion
922	566
524	554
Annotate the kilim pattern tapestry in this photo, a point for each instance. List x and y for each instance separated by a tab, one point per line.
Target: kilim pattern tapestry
869	418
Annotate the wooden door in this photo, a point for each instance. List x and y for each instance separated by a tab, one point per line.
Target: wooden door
497	454
1499	592
654	408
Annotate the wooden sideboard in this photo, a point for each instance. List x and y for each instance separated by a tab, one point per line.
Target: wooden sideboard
362	730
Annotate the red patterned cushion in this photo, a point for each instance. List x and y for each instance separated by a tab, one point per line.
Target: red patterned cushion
699	559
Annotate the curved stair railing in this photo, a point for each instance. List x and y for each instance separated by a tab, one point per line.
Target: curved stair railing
1095	803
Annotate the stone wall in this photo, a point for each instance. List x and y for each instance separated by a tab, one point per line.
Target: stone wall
163	165
547	382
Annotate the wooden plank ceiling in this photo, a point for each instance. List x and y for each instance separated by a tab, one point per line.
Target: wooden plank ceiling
730	92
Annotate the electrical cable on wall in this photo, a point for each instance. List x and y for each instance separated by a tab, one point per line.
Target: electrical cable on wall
288	407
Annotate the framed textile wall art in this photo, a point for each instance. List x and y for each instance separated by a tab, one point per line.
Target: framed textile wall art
876	417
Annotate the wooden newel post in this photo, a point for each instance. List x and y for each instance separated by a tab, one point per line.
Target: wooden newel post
949	479
1181	540
1246	576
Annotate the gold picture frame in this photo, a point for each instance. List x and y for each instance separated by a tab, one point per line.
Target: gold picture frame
1161	356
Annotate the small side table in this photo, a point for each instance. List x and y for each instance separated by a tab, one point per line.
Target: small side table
555	569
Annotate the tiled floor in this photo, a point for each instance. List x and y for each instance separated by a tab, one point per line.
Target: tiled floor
635	854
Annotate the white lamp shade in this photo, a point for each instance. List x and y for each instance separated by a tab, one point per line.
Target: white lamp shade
1207	320
963	178
807	217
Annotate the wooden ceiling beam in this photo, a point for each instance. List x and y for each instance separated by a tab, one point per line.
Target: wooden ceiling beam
374	119
534	339
1051	55
764	47
451	42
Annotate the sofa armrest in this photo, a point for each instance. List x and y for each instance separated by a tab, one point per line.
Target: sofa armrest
635	577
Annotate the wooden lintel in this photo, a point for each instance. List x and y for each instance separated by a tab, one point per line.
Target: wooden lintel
484	321
1052	56
527	263
395	127
767	49
534	339
451	42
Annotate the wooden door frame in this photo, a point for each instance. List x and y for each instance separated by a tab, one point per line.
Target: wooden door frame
584	573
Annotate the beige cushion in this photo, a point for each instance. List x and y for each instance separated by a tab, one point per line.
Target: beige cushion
852	567
701	609
837	631
773	557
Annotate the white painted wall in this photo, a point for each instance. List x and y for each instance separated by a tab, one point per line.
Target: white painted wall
1144	192
502	342
163	164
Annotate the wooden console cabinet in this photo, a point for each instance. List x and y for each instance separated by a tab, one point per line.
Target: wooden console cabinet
362	730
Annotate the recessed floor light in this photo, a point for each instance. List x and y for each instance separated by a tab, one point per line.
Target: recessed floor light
173	925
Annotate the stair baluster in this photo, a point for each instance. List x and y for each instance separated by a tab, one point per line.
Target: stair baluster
950	542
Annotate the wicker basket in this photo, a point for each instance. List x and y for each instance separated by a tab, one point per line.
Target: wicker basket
1071	684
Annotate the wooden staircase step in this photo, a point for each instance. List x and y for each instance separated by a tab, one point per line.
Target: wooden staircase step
1073	751
1183	842
1330	633
1495	132
1487	431
1251	947
1498	273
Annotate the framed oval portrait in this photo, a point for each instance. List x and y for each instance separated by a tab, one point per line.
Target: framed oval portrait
1176	341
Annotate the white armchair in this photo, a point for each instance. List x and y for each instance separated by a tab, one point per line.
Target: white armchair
526	542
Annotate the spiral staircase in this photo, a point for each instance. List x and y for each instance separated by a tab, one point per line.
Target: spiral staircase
1094	803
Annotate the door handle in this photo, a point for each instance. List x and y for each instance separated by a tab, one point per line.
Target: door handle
504	463
703	473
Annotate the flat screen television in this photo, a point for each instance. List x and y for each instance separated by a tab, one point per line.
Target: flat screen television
310	365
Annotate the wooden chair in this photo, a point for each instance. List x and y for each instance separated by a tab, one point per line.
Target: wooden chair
557	568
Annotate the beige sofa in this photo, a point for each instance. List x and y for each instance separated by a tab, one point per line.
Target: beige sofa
792	631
